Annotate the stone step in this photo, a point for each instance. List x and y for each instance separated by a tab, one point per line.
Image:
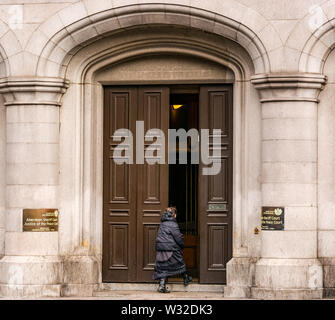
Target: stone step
154	295
175	287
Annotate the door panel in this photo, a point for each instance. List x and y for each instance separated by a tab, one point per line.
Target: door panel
119	197
215	192
134	195
152	183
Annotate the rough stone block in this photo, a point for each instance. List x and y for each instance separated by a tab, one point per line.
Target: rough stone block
35	174
289	194
80	270
289	150
278	244
33	196
240	277
73	13
30	270
326	245
32	132
32	153
32	243
300	110
77	290
29	291
328	273
295	129
289	172
286	294
280	274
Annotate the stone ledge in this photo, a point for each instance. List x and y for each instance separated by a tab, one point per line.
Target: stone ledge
154	295
33	90
286	294
77	290
29	291
281	87
176	287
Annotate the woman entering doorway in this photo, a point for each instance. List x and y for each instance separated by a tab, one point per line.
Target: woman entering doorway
169	258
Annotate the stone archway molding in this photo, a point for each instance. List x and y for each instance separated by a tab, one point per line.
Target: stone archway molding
82	29
320	41
84	102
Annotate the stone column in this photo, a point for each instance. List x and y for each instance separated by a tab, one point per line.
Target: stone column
289	267
2	176
31	265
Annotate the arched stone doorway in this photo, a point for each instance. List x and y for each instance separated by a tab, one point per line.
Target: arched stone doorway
135	196
198	59
71	59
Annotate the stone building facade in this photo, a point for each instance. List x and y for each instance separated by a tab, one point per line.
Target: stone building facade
56	58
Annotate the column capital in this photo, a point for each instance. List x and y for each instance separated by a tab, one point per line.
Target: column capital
279	87
33	90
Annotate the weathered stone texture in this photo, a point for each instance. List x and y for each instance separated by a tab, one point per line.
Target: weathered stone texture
54	57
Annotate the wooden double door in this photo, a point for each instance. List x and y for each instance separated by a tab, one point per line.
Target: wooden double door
135	195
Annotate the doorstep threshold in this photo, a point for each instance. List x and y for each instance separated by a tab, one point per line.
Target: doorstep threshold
175	286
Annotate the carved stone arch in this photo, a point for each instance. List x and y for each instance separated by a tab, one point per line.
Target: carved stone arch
319	39
59	47
10	50
4	65
81	118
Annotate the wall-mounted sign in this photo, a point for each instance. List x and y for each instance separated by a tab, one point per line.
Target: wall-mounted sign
40	220
273	218
217	207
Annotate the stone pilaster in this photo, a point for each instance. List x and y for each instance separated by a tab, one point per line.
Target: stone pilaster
31	265
289	267
2	177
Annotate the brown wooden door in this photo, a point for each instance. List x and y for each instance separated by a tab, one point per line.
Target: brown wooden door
215	192
153	180
136	194
119	196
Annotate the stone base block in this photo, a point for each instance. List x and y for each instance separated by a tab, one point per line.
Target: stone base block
31	270
80	270
78	290
286	294
328	292
30	291
288	279
289	274
328	276
237	292
240	277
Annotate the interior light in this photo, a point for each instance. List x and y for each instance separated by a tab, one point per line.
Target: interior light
177	106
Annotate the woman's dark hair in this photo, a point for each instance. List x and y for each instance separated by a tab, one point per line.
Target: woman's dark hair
173	210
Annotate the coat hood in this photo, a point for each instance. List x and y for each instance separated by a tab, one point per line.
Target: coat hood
168	216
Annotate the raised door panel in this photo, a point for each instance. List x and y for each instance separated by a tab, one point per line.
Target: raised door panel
152	183
215	192
119	195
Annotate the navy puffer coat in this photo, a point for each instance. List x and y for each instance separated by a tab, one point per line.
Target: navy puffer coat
169	237
170	240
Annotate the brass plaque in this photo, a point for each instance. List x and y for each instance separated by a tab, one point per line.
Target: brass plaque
40	220
273	218
217	207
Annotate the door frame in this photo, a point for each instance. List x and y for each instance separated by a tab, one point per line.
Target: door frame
81	172
180	88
